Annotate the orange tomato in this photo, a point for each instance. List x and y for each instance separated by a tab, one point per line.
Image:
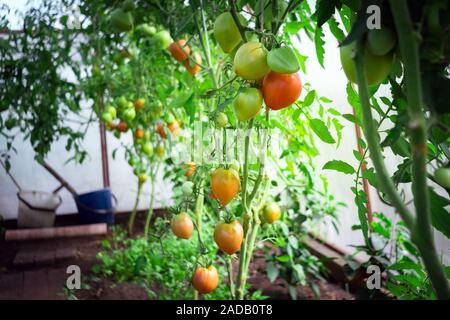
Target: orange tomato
182	225
281	90
160	130
139	103
196	67
111	126
174	127
122	126
205	280
191	168
179	50
139	133
228	236
225	184
212	195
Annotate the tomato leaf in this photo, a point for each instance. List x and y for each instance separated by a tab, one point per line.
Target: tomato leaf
321	130
440	217
272	271
340	166
325	10
319	43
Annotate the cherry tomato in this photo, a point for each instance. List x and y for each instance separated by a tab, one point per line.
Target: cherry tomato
139	103
142	178
139	133
193	67
271	212
190	166
160	130
122	126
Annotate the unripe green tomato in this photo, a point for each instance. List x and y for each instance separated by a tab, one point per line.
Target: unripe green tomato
142	178
221	120
248	103
117	134
164	39
169	118
226	32
377	68
129	114
250	61
121	102
121	20
128	5
187	188
107	117
442	177
147	148
133	161
380	41
111	110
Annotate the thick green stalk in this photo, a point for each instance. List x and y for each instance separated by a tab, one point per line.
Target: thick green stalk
371	133
134	212
230	276
422	233
153	176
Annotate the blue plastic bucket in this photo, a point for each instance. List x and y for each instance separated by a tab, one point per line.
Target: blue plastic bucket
96	206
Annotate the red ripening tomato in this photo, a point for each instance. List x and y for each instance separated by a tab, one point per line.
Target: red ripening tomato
122	126
192	67
190	166
281	90
176	49
182	225
205	280
228	236
160	130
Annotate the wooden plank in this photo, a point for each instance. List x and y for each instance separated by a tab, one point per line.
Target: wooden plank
35	285
56	232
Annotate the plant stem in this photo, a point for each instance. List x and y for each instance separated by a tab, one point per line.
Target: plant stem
152	200
230	276
371	133
234	13
134	212
422	233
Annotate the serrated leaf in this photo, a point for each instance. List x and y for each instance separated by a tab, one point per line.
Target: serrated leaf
321	130
319	43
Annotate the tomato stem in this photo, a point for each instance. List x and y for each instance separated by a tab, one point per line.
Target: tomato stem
134	212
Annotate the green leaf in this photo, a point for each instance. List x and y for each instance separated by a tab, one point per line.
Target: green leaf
340	166
321	130
319	43
283	60
335	30
350	117
440	217
272	271
283	258
309	99
300	273
324	11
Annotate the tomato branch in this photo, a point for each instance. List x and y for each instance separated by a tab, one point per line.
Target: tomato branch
233	11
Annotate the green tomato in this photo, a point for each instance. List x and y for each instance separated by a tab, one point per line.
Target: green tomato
129	114
164	39
250	62
107	117
169	118
221	120
147	148
226	32
380	41
111	110
133	161
117	134
187	188
442	176
121	102
146	29
377	68
248	103
122	21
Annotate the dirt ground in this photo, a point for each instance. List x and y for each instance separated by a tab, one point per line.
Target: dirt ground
37	270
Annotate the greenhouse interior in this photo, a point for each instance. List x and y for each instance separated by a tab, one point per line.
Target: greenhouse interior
252	150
